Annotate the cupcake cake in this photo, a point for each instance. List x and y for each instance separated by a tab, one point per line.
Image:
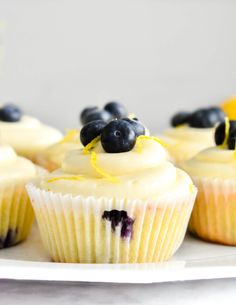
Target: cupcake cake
214	173
16	213
27	135
117	200
191	132
52	157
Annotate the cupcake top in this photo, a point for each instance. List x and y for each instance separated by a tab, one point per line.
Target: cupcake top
218	161
118	160
25	133
13	167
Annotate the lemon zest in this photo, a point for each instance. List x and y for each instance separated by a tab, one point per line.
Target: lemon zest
75	178
143	137
70	135
100	170
227	127
192	187
91	145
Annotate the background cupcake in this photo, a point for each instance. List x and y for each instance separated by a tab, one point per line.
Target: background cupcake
16	213
214	173
191	132
27	135
116	201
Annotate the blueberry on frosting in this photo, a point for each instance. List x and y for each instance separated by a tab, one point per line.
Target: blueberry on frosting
85	113
225	133
97	115
121	218
118	136
10	113
201	118
180	118
91	130
117	110
137	126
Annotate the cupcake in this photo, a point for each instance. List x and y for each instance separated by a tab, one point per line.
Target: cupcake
52	157
117	200
16	213
27	135
191	132
214	173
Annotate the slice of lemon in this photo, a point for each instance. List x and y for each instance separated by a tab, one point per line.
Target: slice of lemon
229	107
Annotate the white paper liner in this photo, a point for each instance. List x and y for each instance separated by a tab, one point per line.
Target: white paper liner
214	213
73	230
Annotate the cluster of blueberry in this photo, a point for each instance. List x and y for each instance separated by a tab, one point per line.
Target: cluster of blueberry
120	218
118	133
221	136
201	118
10	113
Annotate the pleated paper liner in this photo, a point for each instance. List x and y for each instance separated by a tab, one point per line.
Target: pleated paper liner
16	215
214	213
107	230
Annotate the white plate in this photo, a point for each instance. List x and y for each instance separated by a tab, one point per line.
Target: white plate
195	260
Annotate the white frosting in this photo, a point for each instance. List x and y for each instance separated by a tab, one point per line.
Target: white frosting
28	135
13	167
215	162
141	174
184	142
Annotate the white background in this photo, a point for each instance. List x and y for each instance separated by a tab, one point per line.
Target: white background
157	56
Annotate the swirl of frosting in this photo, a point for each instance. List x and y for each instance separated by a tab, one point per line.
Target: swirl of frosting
144	174
14	167
214	162
28	135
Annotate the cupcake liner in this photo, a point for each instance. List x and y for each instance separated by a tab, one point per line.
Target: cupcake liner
110	230
16	214
214	213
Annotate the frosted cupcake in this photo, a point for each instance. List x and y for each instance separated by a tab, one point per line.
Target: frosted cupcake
191	132
214	173
16	213
52	157
27	135
116	201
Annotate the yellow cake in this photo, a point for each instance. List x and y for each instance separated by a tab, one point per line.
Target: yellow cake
25	134
126	207
214	173
16	213
191	133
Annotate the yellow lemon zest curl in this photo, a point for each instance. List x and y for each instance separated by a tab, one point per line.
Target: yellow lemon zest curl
191	188
75	178
88	150
227	127
143	137
70	135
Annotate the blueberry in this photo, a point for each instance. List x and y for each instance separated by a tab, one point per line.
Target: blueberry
204	118
180	118
85	112
220	134
218	112
91	130
117	110
9	239
120	218
97	115
10	113
118	136
138	128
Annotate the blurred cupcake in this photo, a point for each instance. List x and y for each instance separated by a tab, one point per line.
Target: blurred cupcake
16	213
191	132
116	201
27	135
214	173
52	157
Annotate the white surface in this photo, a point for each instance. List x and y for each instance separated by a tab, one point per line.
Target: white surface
195	260
157	56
